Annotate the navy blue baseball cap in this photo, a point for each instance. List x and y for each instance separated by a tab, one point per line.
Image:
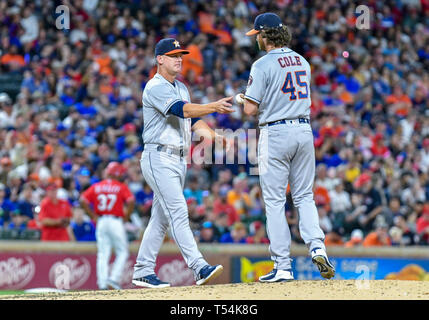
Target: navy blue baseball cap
169	46
265	20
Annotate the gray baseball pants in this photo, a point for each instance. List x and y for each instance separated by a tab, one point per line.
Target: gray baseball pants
165	174
286	154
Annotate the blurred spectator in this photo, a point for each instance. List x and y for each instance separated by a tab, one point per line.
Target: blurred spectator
193	190
193	62
221	225
239	197
211	195
398	102
379	237
321	197
237	234
25	202
408	236
5	168
323	179
82	226
422	226
30	26
257	233
144	199
394	209
340	199
324	219
371	199
196	213
356	239
220	205
18	221
207	233
35	224
54	216
7	114
6	206
395	234
258	206
13	61
334	237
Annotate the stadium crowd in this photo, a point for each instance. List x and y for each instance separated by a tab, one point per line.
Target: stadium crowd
79	107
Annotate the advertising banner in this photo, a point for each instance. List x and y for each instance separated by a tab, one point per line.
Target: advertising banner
77	271
249	269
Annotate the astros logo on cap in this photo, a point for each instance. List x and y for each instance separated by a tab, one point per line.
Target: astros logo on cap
169	46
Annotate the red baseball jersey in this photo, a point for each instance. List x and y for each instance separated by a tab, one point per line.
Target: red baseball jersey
54	210
108	197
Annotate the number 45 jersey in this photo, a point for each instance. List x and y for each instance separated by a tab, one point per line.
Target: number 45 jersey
108	197
280	83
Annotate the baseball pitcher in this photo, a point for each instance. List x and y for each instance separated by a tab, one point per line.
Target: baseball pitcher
104	202
278	91
169	117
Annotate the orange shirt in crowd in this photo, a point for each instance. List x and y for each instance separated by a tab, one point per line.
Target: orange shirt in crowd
104	63
193	61
346	97
321	196
332	239
54	210
13	59
403	111
234	198
353	243
223	36
372	240
206	22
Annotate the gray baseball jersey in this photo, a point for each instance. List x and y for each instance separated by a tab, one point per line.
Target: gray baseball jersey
280	83
165	173
159	127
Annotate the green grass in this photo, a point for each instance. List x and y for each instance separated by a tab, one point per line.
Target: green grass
8	292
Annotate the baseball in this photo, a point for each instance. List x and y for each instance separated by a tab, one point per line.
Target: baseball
238	98
345	54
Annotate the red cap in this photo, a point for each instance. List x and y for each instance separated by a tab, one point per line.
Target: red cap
129	127
378	137
363	178
191	200
115	169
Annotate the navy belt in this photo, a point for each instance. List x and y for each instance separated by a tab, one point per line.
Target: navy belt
289	121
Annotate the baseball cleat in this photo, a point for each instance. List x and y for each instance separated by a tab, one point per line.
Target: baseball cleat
277	275
208	273
150	281
320	259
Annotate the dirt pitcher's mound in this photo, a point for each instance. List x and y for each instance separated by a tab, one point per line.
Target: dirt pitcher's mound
295	290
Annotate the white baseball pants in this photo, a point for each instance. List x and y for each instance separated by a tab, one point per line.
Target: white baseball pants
110	233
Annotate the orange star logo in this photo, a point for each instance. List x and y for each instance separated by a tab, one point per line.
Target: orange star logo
176	43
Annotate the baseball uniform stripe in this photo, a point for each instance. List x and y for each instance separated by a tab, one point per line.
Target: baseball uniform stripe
165	203
253	99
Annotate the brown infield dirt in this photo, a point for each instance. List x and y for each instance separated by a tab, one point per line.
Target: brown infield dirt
294	290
